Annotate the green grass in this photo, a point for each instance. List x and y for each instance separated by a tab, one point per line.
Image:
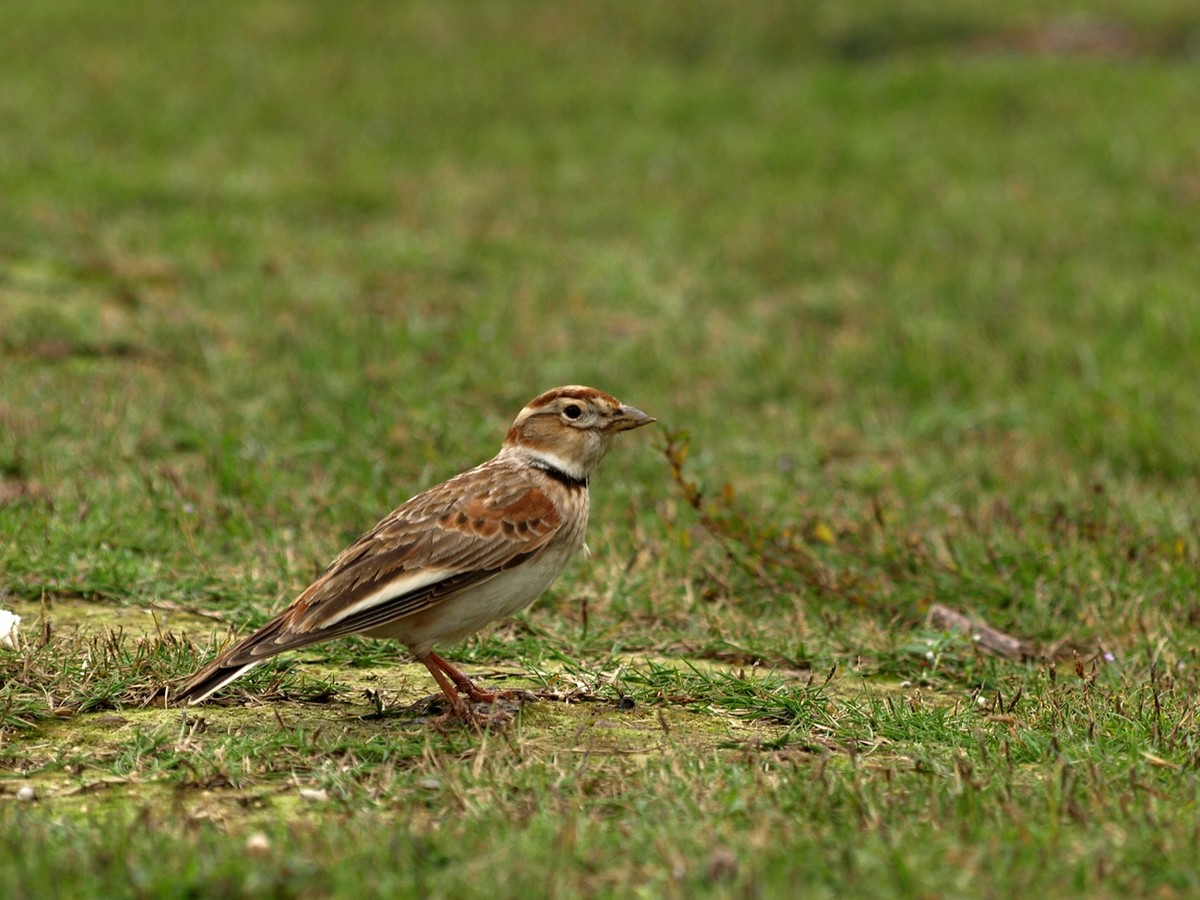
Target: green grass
911	289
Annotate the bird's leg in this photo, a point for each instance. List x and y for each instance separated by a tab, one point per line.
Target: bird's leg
451	681
471	689
461	681
447	686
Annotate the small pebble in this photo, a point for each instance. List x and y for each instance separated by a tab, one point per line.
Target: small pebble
314	795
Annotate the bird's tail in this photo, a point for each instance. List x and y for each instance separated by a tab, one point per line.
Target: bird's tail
273	638
211	679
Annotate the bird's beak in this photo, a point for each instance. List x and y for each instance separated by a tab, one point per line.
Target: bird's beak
628	417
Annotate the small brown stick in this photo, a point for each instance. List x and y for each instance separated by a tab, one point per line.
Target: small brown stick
991	640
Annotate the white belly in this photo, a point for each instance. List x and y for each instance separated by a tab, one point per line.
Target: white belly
462	614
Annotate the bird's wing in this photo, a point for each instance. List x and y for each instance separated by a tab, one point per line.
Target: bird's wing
454	536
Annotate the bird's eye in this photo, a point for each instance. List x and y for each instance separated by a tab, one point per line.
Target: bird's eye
572	411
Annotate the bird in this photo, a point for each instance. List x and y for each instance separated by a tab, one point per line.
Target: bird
457	556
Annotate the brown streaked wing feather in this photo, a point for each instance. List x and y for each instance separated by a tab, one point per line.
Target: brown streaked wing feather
471	528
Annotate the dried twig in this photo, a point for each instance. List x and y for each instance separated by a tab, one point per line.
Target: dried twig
989	639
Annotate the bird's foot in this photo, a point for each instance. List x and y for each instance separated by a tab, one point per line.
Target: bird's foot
483	695
481	716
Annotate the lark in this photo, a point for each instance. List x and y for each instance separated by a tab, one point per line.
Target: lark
457	556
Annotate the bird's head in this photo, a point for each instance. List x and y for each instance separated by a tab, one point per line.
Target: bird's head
571	428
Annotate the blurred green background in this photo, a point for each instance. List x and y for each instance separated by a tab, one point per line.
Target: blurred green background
827	227
303	255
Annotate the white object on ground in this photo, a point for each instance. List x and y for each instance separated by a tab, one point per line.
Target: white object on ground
9	623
